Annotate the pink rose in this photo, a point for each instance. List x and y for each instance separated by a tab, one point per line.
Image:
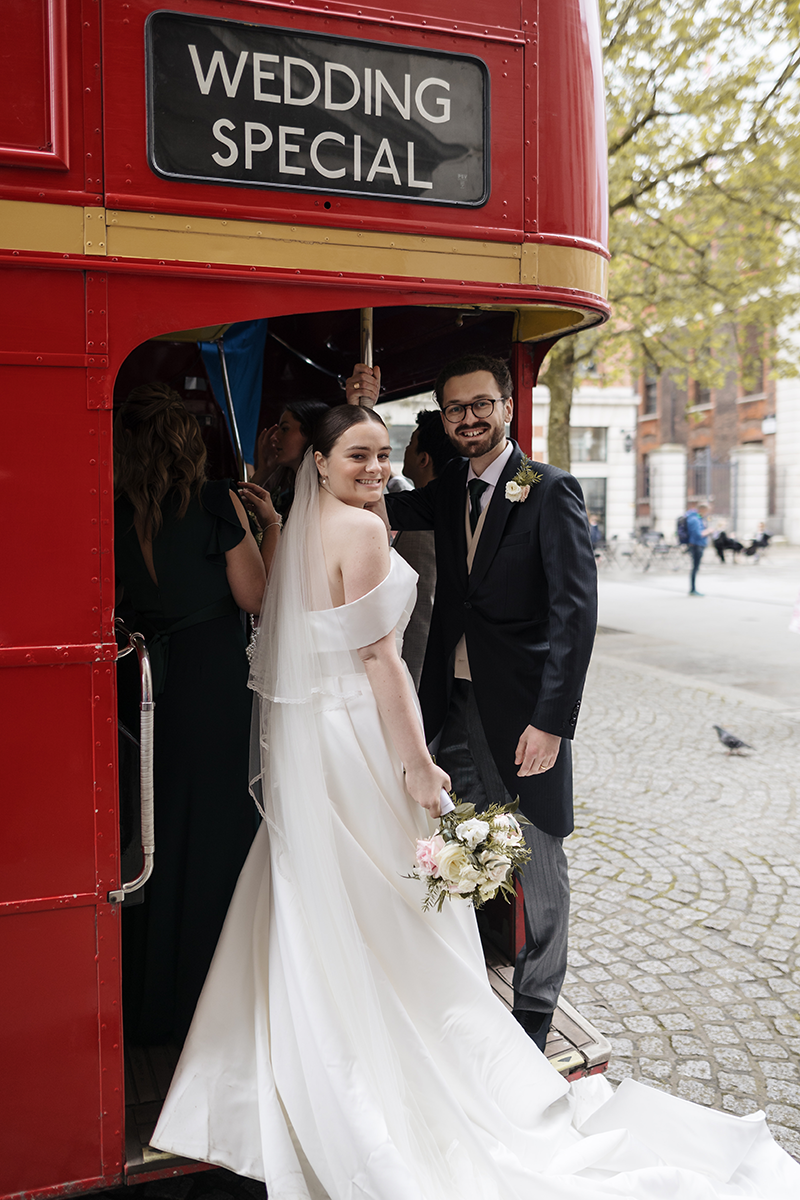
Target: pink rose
428	851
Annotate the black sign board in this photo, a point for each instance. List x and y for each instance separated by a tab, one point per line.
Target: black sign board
252	105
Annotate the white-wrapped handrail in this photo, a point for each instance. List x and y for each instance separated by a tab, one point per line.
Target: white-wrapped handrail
146	709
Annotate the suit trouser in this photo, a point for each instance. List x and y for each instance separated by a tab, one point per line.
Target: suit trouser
542	963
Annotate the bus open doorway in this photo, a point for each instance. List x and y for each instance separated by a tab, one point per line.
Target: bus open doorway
307	357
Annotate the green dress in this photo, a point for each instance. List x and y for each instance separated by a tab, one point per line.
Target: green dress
205	819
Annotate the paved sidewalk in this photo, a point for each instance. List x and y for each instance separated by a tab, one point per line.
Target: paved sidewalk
735	634
685	869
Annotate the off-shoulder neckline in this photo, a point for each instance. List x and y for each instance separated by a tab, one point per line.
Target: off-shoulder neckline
393	559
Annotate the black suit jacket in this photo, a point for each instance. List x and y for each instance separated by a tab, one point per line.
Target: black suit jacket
528	609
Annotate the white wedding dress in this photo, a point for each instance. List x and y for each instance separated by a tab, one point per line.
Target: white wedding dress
348	1046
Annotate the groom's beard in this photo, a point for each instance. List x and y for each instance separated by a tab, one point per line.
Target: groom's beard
476	447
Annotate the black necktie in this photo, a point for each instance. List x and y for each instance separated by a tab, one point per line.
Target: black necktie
476	488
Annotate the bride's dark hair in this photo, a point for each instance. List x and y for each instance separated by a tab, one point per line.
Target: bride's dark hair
330	427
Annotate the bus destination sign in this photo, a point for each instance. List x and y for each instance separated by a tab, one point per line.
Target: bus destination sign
255	106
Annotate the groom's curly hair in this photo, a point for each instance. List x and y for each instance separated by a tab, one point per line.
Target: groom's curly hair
475	362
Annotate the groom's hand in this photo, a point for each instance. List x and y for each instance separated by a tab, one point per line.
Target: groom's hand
363	386
537	751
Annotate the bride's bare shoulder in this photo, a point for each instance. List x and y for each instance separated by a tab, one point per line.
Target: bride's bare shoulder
356	549
346	521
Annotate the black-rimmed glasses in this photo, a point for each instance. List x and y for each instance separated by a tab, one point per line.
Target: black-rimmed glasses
480	408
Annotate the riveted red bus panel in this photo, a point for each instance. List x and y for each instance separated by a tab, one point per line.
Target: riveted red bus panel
50	102
131	184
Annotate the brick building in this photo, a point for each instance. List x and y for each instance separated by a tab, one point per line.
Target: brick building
711	445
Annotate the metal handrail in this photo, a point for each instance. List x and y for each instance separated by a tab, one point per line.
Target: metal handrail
234	426
146	710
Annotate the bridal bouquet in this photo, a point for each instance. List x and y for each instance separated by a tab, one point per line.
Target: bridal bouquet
472	856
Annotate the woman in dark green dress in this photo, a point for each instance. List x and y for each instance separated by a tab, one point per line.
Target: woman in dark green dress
186	564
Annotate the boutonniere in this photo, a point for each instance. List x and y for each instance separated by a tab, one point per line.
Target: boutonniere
518	488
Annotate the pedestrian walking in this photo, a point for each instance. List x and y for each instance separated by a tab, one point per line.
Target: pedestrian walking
697	530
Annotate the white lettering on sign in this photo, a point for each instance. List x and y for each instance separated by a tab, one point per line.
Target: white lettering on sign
315	145
329	102
444	105
297	73
285	148
259	73
204	82
259	138
288	65
226	100
412	182
382	85
251	147
218	158
389	169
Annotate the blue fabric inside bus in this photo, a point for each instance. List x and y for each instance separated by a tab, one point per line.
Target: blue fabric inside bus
244	355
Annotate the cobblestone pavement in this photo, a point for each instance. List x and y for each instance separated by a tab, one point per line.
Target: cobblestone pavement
685	869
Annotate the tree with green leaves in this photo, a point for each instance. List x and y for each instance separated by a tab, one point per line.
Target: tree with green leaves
703	103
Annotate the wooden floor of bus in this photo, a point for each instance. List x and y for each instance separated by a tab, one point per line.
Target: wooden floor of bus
149	1070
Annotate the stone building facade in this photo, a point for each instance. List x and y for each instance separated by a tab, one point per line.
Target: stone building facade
709	445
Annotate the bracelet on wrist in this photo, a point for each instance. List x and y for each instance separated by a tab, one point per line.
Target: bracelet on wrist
269	525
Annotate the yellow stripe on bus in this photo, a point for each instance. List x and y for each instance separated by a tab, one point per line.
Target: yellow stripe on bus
67	229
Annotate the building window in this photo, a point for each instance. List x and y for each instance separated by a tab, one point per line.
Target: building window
594	494
650	396
753	377
700	482
702	396
644	478
587	445
751	361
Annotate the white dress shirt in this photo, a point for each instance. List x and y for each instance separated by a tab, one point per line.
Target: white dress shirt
490	477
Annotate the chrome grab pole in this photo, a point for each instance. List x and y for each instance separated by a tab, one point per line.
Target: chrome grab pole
366	336
146	710
226	387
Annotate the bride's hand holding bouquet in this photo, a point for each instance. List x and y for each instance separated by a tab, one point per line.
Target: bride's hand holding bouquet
425	783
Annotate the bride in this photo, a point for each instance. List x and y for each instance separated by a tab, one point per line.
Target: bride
347	1045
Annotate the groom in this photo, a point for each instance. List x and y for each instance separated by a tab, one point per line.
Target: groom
513	624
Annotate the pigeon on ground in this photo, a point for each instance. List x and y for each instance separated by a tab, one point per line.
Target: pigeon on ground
730	741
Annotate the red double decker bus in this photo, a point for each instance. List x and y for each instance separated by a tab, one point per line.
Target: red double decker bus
163	174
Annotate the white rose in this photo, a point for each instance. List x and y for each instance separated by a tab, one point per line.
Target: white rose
506	830
495	866
505	840
513	490
472	832
488	890
451	860
505	820
468	879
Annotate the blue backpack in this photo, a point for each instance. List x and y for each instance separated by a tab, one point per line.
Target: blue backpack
682	530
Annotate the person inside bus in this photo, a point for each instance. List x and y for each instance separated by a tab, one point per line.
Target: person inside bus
280	450
348	1044
186	563
428	452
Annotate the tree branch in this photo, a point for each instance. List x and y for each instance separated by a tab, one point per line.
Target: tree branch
690	164
631	132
